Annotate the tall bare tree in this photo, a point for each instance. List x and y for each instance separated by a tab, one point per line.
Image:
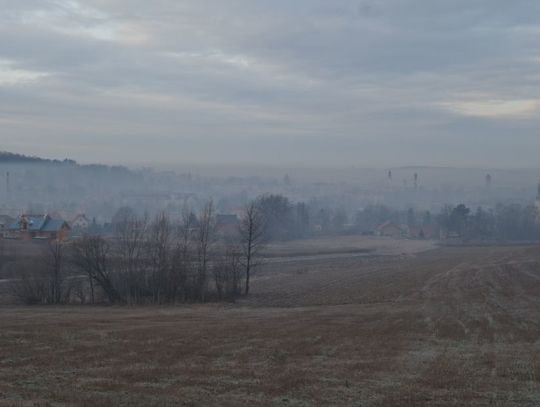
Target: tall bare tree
228	272
182	258
204	239
252	232
55	263
159	252
131	233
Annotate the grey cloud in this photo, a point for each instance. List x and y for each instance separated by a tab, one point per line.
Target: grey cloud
306	82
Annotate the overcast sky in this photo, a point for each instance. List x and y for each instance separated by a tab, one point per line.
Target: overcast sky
276	82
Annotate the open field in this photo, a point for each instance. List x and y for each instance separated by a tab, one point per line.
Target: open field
351	245
446	327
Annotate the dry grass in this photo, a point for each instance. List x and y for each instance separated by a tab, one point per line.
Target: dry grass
450	327
347	245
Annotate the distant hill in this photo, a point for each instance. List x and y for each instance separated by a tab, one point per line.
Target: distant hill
7	157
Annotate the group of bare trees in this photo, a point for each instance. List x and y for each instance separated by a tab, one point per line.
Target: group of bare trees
44	280
152	261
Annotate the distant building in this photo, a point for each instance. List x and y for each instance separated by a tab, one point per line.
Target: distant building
28	227
390	229
80	222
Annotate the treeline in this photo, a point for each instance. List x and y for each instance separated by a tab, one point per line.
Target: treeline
7	157
285	220
14	158
150	261
502	223
161	260
372	216
505	222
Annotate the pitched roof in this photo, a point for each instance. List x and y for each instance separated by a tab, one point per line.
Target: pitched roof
6	220
388	224
54	225
35	222
80	218
39	223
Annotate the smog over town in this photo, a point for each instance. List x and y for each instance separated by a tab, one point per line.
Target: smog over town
269	203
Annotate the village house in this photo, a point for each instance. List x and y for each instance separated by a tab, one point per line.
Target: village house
28	227
80	222
390	229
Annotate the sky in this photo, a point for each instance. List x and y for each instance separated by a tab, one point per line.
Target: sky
307	83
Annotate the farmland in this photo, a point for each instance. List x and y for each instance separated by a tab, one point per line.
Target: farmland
360	326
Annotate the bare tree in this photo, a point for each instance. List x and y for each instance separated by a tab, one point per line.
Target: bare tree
233	257
31	286
131	233
252	232
182	258
227	273
159	251
92	255
55	262
79	289
43	280
204	238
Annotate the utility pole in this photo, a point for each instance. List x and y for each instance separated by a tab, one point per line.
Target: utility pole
8	186
489	180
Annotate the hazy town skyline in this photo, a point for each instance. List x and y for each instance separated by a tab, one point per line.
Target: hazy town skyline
306	83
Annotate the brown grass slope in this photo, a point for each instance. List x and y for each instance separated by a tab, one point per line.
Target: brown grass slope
450	327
